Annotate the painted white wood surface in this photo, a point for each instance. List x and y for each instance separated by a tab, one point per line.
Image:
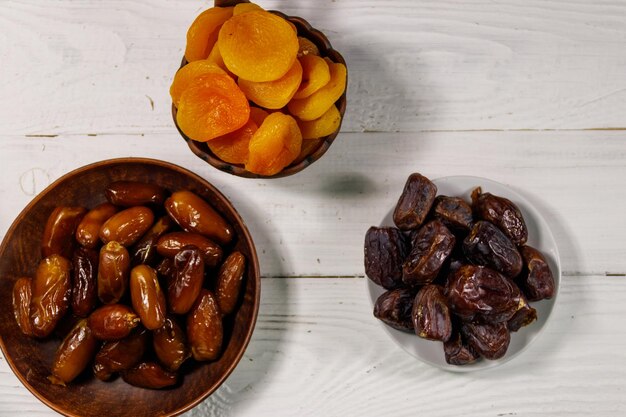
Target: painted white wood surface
101	66
507	90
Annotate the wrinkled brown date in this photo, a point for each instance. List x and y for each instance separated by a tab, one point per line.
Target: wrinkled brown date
113	271
170	344
194	214
385	250
457	352
120	355
432	245
489	340
503	213
84	281
184	287
415	202
524	315
454	212
170	244
205	331
480	293
145	251
146	296
88	230
127	226
394	308
486	245
113	322
149	375
51	291
22	294
134	193
58	234
431	314
74	354
536	280
229	281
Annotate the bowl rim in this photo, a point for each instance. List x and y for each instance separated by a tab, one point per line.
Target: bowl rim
201	150
254	261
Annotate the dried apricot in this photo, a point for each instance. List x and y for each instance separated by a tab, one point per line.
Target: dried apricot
233	147
314	106
202	33
258	46
315	75
245	8
324	126
257	115
215	58
274	145
274	94
306	47
212	106
187	74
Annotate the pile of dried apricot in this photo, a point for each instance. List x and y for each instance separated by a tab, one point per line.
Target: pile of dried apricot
258	94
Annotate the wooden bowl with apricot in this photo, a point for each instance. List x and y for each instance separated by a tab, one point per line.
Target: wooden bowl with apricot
259	94
114	303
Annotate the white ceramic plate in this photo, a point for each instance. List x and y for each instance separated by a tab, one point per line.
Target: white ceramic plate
539	237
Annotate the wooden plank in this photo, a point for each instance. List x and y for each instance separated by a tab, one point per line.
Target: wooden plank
317	350
313	223
105	67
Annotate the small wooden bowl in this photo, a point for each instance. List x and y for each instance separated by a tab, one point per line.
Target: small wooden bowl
321	41
31	358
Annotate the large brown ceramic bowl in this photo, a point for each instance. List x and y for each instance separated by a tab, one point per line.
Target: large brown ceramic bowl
326	50
30	358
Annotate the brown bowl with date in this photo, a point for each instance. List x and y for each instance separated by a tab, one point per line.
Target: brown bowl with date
258	94
129	287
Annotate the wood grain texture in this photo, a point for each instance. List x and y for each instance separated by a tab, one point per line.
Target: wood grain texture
313	223
317	351
415	65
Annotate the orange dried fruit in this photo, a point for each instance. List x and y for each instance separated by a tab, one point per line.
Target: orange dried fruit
315	75
203	32
324	126
216	59
308	147
318	103
274	94
245	8
257	115
275	144
233	147
307	47
258	46
212	106
187	74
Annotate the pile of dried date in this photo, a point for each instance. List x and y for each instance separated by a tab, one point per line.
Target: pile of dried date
458	273
138	281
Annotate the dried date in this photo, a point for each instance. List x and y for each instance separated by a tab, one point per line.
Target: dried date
121	355
432	245
113	322
74	354
58	234
454	212
394	308
205	330
503	213
536	280
385	250
458	352
229	282
431	314
88	230
490	340
113	272
22	294
134	193
127	226
415	202
84	281
145	251
172	243
51	291
149	375
170	344
486	245
146	297
480	293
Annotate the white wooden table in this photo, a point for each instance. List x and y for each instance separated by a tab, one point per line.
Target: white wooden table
531	93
